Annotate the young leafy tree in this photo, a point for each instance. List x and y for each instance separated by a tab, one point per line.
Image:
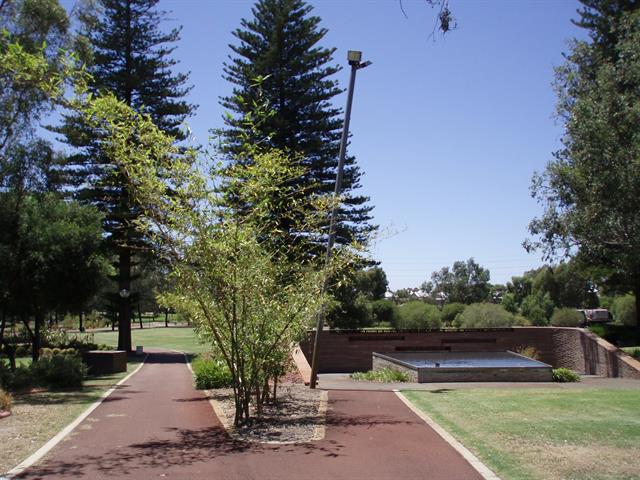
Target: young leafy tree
130	56
591	190
244	297
281	46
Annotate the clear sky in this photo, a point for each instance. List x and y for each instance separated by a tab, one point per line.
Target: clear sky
448	132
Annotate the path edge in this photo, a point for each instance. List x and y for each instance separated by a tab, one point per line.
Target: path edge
474	461
47	447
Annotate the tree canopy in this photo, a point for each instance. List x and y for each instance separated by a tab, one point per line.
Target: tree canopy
591	190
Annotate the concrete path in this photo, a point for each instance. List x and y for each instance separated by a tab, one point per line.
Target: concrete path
157	425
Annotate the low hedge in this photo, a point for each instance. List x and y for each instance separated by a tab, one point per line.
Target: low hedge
211	373
564	375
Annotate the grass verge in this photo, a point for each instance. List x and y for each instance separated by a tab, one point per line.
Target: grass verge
37	417
543	433
183	339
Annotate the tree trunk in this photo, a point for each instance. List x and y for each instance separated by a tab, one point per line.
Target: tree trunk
636	292
37	337
80	327
139	317
166	317
124	311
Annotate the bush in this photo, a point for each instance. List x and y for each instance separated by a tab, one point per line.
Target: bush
624	310
351	313
211	373
384	311
633	351
59	371
528	351
451	310
418	315
50	352
385	375
21	378
564	375
599	330
567	317
484	315
23	350
5	401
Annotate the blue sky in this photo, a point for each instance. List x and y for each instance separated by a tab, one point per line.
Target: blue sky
448	132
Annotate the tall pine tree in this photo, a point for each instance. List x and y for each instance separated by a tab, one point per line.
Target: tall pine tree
280	46
129	55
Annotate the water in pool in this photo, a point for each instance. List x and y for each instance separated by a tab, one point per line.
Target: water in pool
464	359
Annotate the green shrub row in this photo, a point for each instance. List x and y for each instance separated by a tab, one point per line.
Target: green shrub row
384	375
211	373
564	375
62	370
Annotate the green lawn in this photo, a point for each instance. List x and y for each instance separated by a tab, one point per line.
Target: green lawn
37	417
543	433
176	338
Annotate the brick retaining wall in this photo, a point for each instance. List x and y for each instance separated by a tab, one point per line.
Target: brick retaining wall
574	348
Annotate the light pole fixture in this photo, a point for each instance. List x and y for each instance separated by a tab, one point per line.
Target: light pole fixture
354	58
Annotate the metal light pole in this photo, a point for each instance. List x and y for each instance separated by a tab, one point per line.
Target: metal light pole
354	58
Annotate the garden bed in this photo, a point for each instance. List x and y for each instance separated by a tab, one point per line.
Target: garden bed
298	416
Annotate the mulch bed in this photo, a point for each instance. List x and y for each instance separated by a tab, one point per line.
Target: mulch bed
298	416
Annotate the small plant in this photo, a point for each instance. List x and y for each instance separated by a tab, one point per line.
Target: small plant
5	401
384	375
211	373
564	375
528	351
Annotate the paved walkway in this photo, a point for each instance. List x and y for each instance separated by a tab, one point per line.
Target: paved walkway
157	426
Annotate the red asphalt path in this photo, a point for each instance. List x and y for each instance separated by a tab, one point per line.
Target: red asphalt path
156	425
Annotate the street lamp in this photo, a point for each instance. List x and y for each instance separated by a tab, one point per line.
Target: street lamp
353	57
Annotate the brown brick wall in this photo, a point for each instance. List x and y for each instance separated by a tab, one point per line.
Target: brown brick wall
573	348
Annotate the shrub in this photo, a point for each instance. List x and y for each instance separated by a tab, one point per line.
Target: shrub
23	350
418	315
211	373
564	375
384	311
624	310
528	351
385	375
59	371
50	352
567	317
451	310
599	330
21	378
633	351
5	401
484	315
